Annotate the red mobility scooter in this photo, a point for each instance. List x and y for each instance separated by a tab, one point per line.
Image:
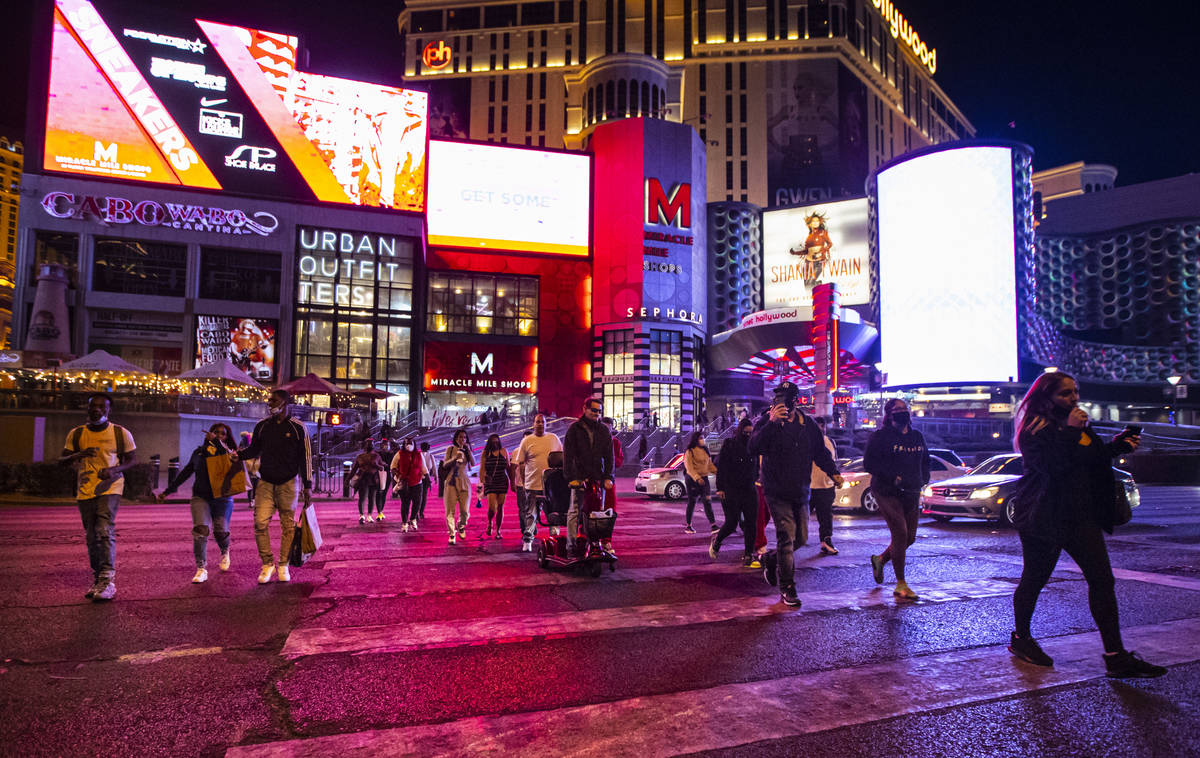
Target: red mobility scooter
596	521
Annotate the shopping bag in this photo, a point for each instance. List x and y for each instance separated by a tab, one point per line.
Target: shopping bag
307	538
226	476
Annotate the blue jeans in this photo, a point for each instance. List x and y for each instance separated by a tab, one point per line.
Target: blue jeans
210	514
791	526
99	516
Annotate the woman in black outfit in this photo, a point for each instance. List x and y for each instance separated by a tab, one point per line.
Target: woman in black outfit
898	461
737	470
1064	500
493	475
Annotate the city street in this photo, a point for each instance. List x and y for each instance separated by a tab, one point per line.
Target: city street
389	643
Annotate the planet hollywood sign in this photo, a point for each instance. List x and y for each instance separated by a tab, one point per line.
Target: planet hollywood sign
199	218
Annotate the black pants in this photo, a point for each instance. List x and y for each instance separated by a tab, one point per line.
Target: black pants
821	501
1085	544
409	503
740	503
694	491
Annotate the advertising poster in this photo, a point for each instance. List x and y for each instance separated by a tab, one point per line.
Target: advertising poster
816	244
140	94
816	133
249	343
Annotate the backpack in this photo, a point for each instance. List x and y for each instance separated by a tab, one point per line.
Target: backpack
445	468
118	435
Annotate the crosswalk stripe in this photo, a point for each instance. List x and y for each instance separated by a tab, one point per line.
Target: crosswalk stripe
729	715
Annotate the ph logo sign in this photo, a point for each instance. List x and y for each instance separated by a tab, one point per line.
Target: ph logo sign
669	209
485	365
436	55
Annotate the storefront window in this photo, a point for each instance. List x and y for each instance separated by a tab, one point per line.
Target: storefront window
58	248
314	346
665	347
618	403
618	352
482	304
664	400
241	275
136	267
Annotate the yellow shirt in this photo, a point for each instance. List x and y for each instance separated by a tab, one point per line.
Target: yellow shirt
88	468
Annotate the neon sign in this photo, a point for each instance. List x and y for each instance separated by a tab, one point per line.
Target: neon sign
436	55
118	210
674	209
901	29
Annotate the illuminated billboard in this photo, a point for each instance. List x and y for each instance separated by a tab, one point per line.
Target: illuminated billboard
495	197
816	244
193	103
249	343
947	268
481	367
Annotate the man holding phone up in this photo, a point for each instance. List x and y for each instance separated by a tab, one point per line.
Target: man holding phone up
790	443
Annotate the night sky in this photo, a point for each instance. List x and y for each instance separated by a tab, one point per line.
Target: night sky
1100	80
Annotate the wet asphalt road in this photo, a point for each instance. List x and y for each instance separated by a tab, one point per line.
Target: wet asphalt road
390	643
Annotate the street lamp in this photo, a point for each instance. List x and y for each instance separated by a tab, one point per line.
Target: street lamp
1174	381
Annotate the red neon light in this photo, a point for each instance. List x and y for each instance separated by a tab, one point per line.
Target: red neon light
661	209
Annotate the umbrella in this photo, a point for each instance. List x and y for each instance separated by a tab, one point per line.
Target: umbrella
100	360
224	371
311	384
374	393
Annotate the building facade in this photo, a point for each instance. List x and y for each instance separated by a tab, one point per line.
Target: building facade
12	160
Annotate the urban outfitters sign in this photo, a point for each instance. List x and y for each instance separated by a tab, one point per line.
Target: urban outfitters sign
349	269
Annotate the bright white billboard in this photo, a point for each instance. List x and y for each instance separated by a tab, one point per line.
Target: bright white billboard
816	244
495	197
947	276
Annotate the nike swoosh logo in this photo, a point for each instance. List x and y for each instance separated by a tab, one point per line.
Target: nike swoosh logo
204	101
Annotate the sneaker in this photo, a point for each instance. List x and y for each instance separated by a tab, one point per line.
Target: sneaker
379	517
362	519
770	569
201	576
1027	649
224	562
451	539
608	548
827	547
877	568
488	533
788	598
285	575
462	533
497	534
370	520
713	527
412	525
109	591
714	546
904	592
268	570
91	591
746	560
687	529
755	563
404	528
526	546
1127	665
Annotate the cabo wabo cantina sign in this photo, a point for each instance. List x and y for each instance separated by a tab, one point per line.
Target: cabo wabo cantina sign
200	218
345	268
480	367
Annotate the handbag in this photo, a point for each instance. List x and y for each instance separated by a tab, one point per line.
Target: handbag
307	538
1122	510
225	476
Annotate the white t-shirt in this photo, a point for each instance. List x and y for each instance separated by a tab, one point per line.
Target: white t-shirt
534	452
821	480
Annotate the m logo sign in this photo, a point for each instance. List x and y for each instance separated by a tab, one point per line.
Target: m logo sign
102	153
670	210
485	366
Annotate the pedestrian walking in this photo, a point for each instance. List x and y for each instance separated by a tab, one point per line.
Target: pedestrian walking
587	458
495	474
211	511
898	462
789	443
642	449
823	493
533	458
736	471
101	452
697	465
365	477
456	484
429	467
1066	500
408	473
251	471
281	444
387	450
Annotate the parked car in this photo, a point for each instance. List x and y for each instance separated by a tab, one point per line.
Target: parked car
947	455
856	491
667	481
986	492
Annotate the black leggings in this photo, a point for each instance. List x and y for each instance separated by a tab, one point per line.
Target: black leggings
1085	544
694	491
740	504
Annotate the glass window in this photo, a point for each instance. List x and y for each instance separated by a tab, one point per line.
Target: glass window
664	400
241	275
618	403
537	13
618	352
350	271
499	15
461	19
482	304
426	21
136	267
353	351
665	349
59	248
314	346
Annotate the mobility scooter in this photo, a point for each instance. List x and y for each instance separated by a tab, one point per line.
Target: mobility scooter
596	522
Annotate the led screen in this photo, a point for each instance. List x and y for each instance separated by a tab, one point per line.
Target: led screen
816	244
480	367
947	268
142	96
249	343
508	198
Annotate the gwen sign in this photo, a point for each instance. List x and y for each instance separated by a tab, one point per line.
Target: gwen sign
495	197
480	367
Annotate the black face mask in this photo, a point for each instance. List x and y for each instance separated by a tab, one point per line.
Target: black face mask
901	419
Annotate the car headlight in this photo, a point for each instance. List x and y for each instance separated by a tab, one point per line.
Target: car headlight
848	483
654	476
987	493
927	492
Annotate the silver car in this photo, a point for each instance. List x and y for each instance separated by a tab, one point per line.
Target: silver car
667	481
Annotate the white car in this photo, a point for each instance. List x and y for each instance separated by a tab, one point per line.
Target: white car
856	491
668	481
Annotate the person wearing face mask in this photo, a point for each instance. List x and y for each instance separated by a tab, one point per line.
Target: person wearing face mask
1066	500
898	461
697	465
100	451
408	470
364	475
736	471
281	444
430	467
457	484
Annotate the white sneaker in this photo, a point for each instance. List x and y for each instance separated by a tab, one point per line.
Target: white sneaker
404	528
224	564
284	574
201	576
268	570
412	525
526	546
362	519
370	520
